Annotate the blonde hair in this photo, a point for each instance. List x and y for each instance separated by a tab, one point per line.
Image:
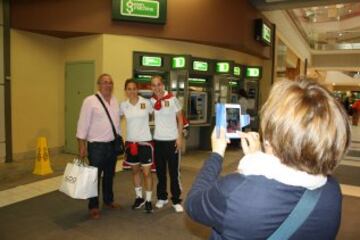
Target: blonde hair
305	125
103	75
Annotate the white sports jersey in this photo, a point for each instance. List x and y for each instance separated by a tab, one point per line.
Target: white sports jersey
165	119
137	119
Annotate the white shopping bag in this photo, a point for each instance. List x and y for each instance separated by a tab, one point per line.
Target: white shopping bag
80	181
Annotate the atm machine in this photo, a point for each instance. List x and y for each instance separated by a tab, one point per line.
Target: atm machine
146	65
191	79
236	82
253	75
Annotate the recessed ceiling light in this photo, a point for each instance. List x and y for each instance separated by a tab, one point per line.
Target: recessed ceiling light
339	5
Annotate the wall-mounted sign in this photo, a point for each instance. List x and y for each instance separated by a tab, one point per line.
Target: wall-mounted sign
200	66
178	62
151	61
237	71
263	32
266	33
253	72
222	67
149	11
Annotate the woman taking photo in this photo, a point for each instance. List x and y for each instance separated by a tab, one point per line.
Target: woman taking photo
283	188
139	149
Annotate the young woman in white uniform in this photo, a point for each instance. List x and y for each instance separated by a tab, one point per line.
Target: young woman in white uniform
139	149
167	139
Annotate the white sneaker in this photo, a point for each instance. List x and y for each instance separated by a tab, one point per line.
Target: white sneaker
161	203
178	208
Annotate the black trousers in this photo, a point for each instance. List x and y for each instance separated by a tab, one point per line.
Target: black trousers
167	157
102	156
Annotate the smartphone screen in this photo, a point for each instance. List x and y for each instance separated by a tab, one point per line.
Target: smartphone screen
233	122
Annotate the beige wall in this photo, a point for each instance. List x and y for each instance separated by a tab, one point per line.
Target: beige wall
37	65
84	49
37	90
118	52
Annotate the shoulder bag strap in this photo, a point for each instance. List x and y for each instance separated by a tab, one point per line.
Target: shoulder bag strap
298	215
107	113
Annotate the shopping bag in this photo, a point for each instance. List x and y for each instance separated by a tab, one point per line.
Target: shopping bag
80	181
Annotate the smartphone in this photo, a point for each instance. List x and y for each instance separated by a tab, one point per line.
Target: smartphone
233	120
228	116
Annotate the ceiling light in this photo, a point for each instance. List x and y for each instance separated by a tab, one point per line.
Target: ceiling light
357	75
339	6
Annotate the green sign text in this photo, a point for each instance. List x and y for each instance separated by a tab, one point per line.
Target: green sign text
252	72
150	61
266	33
200	66
140	8
178	62
237	71
222	67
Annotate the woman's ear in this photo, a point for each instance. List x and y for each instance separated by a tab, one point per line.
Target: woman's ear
267	147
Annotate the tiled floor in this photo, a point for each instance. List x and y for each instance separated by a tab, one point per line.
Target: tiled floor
18	184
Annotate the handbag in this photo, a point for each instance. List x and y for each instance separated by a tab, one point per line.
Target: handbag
80	181
118	142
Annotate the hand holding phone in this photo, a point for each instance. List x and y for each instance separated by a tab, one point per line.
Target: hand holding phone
219	143
250	142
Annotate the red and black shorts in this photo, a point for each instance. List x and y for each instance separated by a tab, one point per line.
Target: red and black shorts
139	153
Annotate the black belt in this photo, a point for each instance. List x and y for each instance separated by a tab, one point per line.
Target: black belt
101	143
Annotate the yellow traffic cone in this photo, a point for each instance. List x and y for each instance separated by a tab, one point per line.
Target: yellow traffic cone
42	162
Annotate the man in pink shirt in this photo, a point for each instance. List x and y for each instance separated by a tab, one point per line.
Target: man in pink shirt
95	137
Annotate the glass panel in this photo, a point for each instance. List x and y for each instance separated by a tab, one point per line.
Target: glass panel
1	13
1	55
2	152
2	115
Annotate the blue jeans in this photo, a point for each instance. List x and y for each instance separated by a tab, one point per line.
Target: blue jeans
102	156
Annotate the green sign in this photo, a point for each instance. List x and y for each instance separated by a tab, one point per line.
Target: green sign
237	71
150	61
222	67
233	83
197	80
151	11
252	72
200	66
178	62
266	33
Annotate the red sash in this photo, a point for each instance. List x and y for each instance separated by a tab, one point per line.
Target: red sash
157	105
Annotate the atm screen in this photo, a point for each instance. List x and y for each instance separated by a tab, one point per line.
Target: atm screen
252	92
198	107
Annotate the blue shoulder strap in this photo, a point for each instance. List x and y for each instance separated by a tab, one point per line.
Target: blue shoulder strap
298	215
